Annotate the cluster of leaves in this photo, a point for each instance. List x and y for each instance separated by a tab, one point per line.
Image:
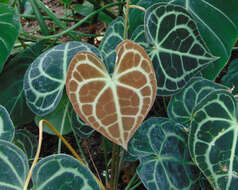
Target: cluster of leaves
195	144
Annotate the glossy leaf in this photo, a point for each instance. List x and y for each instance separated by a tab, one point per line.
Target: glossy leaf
177	50
14	167
112	37
219	36
60	118
11	88
81	128
213	140
62	172
27	142
115	106
44	80
230	79
7	129
9	27
181	105
161	146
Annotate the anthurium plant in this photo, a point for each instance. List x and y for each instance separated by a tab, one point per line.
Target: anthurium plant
172	49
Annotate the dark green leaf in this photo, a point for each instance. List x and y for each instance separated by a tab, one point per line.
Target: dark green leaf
82	130
181	105
161	146
177	50
62	172
213	140
84	9
7	129
14	167
9	27
60	118
112	37
44	80
219	36
230	79
11	88
27	142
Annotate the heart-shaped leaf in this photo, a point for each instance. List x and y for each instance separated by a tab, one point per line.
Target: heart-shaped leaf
219	36
11	88
213	139
27	142
112	37
44	80
9	26
81	128
181	105
62	172
231	77
165	163
113	106
177	50
14	166
7	129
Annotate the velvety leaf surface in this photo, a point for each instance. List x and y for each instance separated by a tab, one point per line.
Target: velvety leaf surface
27	142
14	167
112	37
213	140
177	50
44	80
7	129
60	118
114	106
11	89
9	27
161	146
181	105
62	172
219	36
230	79
81	128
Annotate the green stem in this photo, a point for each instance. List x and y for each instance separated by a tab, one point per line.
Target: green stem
78	143
115	166
105	158
126	20
165	105
62	126
136	185
47	18
39	18
78	23
55	19
131	181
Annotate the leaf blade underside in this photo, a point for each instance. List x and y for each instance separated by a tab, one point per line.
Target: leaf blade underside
113	106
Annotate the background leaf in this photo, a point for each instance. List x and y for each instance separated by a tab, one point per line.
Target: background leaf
213	140
11	89
9	27
176	48
230	79
27	142
81	128
161	146
14	166
219	36
181	105
112	37
7	129
60	118
44	80
64	172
